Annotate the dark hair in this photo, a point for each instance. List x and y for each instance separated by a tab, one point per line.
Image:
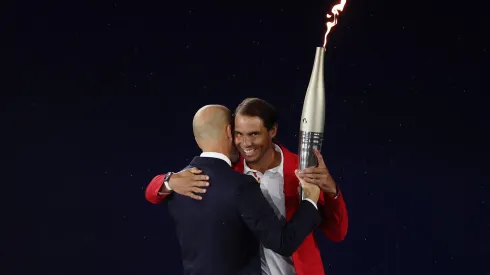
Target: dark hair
256	107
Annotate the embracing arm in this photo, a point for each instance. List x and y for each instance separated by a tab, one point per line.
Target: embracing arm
334	216
188	182
274	233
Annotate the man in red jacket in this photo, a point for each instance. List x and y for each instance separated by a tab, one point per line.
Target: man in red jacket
273	166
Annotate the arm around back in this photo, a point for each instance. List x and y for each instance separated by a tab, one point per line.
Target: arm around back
189	182
274	233
153	192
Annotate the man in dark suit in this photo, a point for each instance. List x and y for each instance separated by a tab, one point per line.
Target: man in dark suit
221	235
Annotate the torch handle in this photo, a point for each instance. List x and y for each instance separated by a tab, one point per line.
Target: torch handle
307	142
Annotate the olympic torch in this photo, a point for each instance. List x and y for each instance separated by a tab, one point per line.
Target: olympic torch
313	116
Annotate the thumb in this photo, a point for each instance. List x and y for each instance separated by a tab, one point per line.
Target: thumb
321	162
296	172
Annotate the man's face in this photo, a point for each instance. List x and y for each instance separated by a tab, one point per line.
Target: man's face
252	138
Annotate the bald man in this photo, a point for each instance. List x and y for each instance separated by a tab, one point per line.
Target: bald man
221	234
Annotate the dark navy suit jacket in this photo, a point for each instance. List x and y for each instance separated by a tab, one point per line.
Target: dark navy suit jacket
221	234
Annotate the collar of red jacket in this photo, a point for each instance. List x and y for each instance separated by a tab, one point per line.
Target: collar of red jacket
290	162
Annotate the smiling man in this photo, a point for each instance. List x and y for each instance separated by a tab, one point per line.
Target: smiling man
273	166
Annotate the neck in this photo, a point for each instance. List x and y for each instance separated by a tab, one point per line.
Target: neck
217	148
271	159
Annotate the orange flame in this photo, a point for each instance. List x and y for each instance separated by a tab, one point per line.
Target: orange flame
335	11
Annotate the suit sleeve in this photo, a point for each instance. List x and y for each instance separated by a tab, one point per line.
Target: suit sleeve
274	233
152	190
334	217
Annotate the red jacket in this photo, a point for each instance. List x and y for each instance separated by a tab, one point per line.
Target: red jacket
307	259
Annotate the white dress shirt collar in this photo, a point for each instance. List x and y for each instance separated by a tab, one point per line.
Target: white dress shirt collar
216	155
278	169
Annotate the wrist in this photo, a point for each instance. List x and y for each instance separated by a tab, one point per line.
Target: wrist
312	202
312	198
166	180
166	188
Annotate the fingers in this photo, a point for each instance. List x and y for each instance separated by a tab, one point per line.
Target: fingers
312	181
309	182
198	190
298	175
200	177
194	191
313	170
195	170
316	179
196	175
199	184
194	196
321	162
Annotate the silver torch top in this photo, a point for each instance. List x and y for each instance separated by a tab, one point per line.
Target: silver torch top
313	115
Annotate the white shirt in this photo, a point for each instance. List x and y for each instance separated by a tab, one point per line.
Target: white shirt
272	186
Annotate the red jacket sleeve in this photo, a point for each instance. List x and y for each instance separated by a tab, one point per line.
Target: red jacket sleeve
153	188
334	214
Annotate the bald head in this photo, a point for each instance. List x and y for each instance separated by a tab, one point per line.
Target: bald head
210	122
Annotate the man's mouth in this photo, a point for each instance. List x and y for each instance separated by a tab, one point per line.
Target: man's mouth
249	152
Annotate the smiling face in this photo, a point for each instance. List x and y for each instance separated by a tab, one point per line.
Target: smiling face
252	138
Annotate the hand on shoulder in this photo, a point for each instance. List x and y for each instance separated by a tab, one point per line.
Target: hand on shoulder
189	182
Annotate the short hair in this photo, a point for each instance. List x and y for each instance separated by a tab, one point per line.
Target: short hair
256	107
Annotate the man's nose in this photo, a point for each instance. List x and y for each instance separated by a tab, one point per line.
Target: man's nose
246	141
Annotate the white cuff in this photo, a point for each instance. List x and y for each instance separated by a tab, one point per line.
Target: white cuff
314	204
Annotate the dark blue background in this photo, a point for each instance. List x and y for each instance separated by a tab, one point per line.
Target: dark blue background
107	91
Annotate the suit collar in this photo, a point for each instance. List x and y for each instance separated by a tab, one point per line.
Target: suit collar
203	161
216	155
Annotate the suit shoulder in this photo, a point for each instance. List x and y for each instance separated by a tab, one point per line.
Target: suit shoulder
247	179
187	167
242	177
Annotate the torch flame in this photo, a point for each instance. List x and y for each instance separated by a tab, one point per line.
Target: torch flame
335	11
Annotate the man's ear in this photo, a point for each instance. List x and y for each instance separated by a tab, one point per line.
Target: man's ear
229	132
273	131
